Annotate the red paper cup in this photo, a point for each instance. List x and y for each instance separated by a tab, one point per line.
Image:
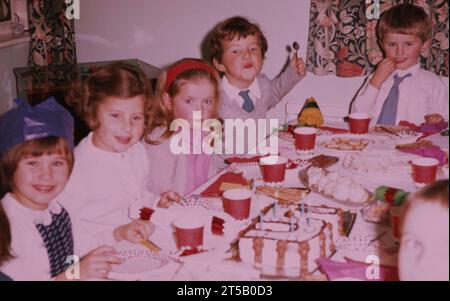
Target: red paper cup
424	171
305	138
273	169
189	232
291	125
395	222
359	123
236	202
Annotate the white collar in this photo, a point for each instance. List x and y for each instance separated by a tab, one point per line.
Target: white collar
37	216
233	92
400	72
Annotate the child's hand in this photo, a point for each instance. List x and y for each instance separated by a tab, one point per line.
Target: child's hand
384	69
433	118
96	264
299	65
167	198
134	232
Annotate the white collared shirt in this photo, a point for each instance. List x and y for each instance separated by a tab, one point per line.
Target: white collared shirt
420	94
30	260
233	92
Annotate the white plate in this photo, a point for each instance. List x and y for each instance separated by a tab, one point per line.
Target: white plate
387	165
303	176
321	140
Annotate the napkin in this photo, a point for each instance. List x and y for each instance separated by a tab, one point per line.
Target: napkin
426	128
228	179
241	160
217	225
355	269
146	213
291	164
432	151
430	129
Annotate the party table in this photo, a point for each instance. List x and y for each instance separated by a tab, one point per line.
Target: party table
368	242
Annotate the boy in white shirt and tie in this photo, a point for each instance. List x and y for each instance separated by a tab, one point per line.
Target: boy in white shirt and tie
399	89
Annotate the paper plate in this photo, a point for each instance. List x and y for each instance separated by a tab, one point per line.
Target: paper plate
209	204
139	264
288	136
369	166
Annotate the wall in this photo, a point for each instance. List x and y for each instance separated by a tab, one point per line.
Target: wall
162	31
10	57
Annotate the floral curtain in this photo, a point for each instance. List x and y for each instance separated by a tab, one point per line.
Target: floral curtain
342	40
52	34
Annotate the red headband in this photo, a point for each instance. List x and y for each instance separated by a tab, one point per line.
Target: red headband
183	66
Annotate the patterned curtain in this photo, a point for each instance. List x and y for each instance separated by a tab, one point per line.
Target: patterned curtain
52	34
342	40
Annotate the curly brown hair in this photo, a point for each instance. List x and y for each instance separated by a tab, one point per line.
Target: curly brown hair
120	80
405	18
227	30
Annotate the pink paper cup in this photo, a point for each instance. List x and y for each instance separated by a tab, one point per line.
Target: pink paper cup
424	171
236	202
305	138
359	123
189	232
395	212
273	169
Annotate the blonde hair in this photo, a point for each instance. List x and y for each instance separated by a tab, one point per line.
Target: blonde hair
158	115
115	80
405	18
36	148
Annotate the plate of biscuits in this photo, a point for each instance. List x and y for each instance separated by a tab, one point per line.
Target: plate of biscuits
344	143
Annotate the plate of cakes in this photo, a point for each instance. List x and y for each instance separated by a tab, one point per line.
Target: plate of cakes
344	143
336	187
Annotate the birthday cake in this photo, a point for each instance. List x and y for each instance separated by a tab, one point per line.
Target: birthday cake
286	240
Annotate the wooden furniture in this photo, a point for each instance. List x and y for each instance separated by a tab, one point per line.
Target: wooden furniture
35	84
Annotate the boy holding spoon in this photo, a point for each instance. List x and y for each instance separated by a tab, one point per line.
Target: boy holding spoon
238	49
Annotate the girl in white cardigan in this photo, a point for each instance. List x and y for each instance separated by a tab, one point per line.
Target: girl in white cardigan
107	187
186	90
36	160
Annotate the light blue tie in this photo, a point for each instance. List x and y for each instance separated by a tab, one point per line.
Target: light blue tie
248	105
388	113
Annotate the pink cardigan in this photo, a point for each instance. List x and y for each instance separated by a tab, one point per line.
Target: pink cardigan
169	171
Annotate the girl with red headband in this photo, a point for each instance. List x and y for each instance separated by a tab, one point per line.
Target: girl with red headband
187	89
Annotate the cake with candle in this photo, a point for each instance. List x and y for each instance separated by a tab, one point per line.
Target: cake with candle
286	240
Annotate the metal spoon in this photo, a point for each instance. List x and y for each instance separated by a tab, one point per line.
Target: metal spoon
296	47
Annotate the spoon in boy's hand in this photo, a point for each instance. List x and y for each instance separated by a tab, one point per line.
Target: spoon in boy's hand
296	46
